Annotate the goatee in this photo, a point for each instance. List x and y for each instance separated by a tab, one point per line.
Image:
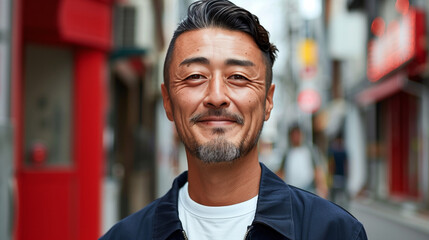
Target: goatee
218	150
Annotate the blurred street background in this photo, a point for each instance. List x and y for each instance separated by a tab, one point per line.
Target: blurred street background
84	140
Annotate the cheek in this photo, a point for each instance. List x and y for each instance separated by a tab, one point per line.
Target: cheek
184	105
252	106
255	100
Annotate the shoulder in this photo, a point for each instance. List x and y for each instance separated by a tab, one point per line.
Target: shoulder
136	225
320	217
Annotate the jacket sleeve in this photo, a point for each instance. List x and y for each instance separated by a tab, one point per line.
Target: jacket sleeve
361	234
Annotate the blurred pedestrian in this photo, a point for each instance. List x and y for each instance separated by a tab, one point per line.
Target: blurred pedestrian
301	165
217	90
338	164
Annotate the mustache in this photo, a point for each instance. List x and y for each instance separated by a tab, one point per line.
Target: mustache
217	113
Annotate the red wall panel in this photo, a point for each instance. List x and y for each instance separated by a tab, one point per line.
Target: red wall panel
89	121
79	22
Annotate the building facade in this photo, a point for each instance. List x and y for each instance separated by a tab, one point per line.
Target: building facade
385	88
58	95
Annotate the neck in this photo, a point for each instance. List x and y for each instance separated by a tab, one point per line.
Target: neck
222	184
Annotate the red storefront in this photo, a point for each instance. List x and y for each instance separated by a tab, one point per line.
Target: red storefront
395	104
59	71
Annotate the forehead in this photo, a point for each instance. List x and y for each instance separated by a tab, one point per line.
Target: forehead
216	43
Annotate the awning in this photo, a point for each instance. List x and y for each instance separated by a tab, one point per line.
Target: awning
381	90
127	53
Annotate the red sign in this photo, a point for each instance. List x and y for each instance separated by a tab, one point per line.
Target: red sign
309	100
403	43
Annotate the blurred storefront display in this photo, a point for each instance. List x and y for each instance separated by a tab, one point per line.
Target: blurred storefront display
387	117
60	51
396	61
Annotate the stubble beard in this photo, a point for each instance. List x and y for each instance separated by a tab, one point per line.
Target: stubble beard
220	149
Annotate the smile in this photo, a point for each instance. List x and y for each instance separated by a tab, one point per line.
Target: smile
217	121
217	118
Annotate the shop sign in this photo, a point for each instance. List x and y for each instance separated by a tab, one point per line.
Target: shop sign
403	43
307	52
309	100
307	56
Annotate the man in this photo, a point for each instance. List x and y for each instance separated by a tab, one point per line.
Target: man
338	164
301	166
217	89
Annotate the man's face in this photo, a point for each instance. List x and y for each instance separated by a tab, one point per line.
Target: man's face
217	96
296	138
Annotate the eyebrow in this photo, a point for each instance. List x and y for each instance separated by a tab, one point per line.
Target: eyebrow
201	60
237	62
228	62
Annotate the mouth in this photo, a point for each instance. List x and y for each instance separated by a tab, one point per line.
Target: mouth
216	121
217	118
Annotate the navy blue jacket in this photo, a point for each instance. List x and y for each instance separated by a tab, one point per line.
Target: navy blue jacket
283	212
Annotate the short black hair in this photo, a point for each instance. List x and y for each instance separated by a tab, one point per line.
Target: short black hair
294	127
224	14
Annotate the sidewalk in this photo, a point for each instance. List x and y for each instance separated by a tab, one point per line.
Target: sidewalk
384	221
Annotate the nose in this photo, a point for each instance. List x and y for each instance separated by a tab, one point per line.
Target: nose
216	96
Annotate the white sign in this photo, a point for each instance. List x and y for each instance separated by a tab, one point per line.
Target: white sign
5	10
310	9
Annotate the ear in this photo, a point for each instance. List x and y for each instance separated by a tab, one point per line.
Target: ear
167	102
269	102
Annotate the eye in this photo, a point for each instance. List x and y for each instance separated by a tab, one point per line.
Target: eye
237	77
195	77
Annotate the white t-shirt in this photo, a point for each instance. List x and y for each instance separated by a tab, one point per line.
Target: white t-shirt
299	167
225	222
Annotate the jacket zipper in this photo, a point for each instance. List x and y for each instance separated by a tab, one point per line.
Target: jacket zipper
184	235
247	232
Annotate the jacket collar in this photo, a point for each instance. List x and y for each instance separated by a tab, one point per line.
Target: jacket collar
274	208
166	219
